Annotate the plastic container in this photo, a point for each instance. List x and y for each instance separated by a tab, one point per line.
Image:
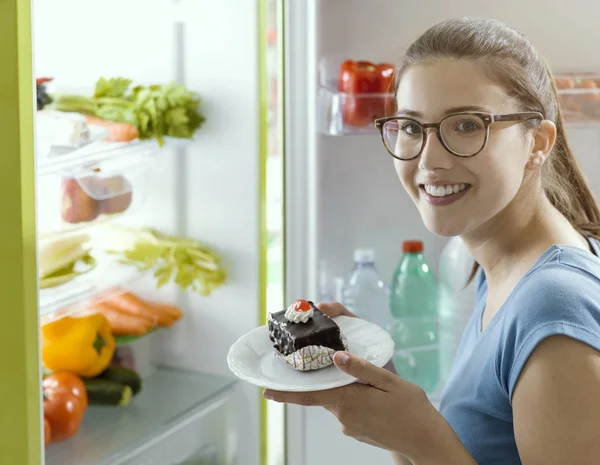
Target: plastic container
413	304
342	113
82	195
456	300
364	293
579	95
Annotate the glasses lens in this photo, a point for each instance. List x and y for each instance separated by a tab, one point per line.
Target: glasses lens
463	134
403	138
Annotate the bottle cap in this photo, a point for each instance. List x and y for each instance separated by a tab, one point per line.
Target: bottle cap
364	256
412	246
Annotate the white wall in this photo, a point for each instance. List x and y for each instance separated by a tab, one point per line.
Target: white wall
210	191
360	201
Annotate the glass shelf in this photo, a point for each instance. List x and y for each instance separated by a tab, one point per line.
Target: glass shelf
109	434
106	275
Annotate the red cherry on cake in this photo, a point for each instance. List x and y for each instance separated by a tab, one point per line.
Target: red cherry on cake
301	306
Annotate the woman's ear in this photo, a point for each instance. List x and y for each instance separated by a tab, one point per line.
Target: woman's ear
544	138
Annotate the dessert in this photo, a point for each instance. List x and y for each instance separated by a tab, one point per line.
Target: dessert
304	337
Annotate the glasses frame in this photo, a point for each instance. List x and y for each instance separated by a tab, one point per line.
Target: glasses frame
487	118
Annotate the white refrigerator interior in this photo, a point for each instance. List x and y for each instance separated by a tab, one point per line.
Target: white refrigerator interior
342	190
207	189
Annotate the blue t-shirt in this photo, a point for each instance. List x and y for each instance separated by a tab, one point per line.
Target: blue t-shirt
559	295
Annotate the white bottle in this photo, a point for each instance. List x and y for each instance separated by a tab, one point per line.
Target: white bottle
364	293
456	300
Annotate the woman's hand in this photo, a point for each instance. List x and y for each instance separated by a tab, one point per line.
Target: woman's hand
386	411
334	309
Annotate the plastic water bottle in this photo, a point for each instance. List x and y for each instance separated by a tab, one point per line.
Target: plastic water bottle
413	303
456	300
365	294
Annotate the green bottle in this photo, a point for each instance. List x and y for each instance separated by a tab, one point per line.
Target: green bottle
413	304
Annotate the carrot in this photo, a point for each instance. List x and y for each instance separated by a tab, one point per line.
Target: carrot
170	310
129	303
117	132
121	323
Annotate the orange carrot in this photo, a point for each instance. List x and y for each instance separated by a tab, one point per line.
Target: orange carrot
171	310
121	323
117	132
129	303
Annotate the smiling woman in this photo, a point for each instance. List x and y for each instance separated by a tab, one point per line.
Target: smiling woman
500	174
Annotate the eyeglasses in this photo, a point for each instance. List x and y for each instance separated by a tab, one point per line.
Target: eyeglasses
461	134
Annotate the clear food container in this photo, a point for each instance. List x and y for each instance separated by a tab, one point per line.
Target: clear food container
76	197
352	94
579	96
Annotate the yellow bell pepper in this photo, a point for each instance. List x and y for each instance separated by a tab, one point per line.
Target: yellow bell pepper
83	345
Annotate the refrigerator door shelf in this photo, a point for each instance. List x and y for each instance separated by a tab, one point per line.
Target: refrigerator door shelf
350	114
579	95
176	414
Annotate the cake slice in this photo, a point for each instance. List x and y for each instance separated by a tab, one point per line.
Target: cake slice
304	337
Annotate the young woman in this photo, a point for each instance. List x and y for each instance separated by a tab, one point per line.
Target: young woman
479	145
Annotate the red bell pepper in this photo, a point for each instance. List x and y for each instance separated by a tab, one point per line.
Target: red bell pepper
367	88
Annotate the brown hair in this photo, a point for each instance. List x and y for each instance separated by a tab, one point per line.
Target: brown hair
511	60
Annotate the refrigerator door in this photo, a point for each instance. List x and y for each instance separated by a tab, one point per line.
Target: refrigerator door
20	425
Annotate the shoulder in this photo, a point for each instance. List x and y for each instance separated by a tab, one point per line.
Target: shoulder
560	296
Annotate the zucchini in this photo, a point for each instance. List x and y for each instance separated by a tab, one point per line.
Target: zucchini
107	392
124	376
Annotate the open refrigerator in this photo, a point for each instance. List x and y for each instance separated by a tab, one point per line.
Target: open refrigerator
341	190
63	181
274	183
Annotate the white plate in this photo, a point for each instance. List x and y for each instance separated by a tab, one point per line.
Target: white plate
252	358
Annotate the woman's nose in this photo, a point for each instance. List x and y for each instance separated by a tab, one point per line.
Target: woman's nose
434	154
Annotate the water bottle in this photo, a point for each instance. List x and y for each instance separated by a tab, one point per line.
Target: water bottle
365	294
413	303
456	300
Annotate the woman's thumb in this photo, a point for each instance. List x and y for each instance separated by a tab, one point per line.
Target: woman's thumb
359	368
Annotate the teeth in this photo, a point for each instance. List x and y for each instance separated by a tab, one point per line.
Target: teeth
441	191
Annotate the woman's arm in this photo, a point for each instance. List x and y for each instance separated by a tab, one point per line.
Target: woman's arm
400	459
556	404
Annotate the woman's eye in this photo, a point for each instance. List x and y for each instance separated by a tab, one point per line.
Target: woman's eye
412	129
467	125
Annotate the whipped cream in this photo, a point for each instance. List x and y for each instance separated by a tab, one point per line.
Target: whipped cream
294	315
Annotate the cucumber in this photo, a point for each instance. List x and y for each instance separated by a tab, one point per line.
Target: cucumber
124	376
107	392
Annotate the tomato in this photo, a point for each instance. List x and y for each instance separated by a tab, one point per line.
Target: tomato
47	432
367	91
65	402
565	83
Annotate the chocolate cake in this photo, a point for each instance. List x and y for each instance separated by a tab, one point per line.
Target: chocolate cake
304	337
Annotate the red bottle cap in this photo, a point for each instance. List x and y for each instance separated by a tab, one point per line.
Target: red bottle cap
412	246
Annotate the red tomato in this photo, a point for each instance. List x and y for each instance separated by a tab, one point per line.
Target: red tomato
47	432
65	402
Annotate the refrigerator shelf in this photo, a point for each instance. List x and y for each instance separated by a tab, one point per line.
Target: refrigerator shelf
170	401
59	301
351	114
579	95
81	194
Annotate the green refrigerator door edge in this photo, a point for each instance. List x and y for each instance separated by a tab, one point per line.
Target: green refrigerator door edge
263	148
20	422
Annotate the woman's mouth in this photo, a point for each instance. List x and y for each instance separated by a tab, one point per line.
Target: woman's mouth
443	194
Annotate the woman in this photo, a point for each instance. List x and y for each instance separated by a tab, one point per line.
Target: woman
480	147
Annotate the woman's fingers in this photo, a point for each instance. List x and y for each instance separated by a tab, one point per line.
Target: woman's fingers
334	309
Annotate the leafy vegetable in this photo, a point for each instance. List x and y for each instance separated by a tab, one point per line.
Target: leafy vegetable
156	110
186	262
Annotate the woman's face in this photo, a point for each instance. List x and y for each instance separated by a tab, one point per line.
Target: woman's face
491	178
